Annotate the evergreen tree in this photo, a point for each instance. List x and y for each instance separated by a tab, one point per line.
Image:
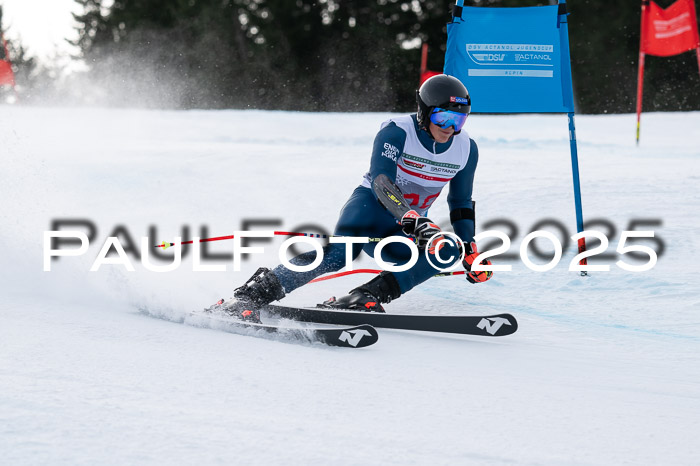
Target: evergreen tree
24	66
340	55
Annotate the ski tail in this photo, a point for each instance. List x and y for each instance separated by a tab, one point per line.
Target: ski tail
359	336
353	336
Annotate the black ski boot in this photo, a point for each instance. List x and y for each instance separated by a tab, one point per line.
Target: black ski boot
370	296
260	289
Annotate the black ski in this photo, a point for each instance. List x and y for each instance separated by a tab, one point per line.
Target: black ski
489	326
356	336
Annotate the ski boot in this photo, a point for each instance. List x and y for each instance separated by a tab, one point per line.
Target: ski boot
368	297
260	289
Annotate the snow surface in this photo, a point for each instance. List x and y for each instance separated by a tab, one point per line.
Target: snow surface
95	369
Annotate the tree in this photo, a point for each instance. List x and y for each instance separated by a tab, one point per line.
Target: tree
23	66
604	40
339	55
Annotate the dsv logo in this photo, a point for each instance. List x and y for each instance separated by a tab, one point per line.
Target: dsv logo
490	56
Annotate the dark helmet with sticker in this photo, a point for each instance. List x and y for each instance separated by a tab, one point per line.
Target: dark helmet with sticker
442	91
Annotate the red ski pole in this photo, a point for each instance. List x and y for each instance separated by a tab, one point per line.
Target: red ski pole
166	245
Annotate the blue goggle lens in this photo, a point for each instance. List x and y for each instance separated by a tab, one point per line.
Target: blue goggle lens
446	118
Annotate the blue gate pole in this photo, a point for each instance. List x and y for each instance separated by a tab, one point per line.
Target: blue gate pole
574	169
457	11
568	95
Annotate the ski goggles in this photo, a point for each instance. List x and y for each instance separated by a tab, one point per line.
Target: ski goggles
445	118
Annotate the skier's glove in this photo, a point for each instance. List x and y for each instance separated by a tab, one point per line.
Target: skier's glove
421	228
470	254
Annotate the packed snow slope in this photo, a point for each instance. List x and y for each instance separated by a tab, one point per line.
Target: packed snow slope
95	367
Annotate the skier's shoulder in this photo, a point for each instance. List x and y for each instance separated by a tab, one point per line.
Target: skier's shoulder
466	143
473	147
403	123
464	139
391	133
470	150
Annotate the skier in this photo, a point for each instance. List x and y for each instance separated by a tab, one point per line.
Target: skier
420	153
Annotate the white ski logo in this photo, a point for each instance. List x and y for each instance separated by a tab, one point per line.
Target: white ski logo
492	324
357	335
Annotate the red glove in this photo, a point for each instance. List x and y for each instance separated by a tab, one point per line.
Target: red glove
421	228
469	256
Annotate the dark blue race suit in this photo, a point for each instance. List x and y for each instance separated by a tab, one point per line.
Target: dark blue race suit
363	215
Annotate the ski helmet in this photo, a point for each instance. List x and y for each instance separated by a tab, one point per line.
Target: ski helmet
442	91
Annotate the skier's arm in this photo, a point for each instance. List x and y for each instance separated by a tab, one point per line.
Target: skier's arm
462	215
413	224
388	146
459	199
